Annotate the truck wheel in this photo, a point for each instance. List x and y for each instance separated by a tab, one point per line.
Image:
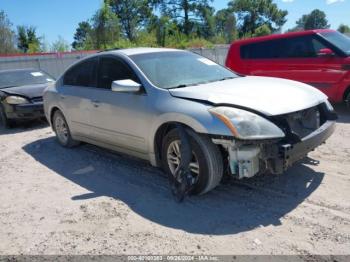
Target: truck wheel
62	130
206	165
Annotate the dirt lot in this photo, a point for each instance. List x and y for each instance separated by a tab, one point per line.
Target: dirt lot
90	201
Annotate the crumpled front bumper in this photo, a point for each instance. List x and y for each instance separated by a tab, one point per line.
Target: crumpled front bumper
288	154
25	111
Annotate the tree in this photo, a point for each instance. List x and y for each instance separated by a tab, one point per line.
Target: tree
81	35
344	29
60	45
225	24
105	26
27	40
315	20
206	25
132	15
252	14
7	36
187	13
262	31
163	28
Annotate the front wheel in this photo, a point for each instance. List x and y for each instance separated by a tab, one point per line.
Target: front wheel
62	130
4	121
206	165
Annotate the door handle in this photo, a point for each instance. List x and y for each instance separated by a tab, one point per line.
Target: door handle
96	103
62	96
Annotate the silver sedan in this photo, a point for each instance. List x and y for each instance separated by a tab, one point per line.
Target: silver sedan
133	100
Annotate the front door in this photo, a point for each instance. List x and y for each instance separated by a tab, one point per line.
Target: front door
119	118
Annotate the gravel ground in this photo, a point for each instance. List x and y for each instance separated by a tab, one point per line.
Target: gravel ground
88	200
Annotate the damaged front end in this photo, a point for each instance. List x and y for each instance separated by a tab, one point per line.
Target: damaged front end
303	131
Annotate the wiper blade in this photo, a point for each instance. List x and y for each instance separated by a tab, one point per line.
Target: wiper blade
179	86
226	78
3	87
182	85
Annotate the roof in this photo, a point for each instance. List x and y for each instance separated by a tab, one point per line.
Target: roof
279	36
142	50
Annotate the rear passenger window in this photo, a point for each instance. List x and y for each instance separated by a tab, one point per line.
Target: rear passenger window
293	47
112	69
83	74
262	50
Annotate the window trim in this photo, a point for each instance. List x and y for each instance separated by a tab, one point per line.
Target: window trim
316	37
78	64
121	60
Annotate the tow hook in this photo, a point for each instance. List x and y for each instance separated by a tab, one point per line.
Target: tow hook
182	181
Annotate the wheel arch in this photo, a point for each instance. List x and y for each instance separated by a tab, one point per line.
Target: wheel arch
52	113
164	125
346	94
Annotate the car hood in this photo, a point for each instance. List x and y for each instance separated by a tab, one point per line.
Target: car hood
29	91
270	96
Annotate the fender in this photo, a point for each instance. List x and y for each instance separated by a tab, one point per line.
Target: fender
174	117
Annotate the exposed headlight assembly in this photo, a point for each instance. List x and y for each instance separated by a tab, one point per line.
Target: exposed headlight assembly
16	100
329	106
246	125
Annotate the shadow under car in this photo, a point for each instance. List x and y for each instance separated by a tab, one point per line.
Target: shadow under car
234	207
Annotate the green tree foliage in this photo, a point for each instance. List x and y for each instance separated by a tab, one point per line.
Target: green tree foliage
225	25
7	36
253	14
315	20
262	31
206	24
187	13
27	40
81	35
345	29
105	25
132	14
60	45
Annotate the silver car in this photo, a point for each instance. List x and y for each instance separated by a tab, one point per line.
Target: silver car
132	100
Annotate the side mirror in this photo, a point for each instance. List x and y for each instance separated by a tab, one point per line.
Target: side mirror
325	52
126	85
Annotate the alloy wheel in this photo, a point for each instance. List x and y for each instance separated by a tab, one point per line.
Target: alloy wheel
61	129
174	158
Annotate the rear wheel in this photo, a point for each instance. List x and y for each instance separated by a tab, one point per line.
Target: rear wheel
62	130
206	165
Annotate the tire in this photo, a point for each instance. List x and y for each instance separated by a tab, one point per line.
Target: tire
62	130
347	98
4	121
205	153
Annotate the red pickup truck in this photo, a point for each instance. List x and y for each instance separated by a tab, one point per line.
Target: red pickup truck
320	58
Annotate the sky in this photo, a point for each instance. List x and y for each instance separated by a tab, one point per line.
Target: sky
54	18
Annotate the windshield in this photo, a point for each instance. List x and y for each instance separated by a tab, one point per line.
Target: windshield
175	69
339	40
23	77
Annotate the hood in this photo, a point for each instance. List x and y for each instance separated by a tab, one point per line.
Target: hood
29	91
270	96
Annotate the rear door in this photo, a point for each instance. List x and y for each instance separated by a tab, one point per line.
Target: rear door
75	97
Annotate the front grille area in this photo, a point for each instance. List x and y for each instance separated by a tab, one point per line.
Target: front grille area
304	122
298	125
37	99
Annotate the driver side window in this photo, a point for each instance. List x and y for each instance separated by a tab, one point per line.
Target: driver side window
112	69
